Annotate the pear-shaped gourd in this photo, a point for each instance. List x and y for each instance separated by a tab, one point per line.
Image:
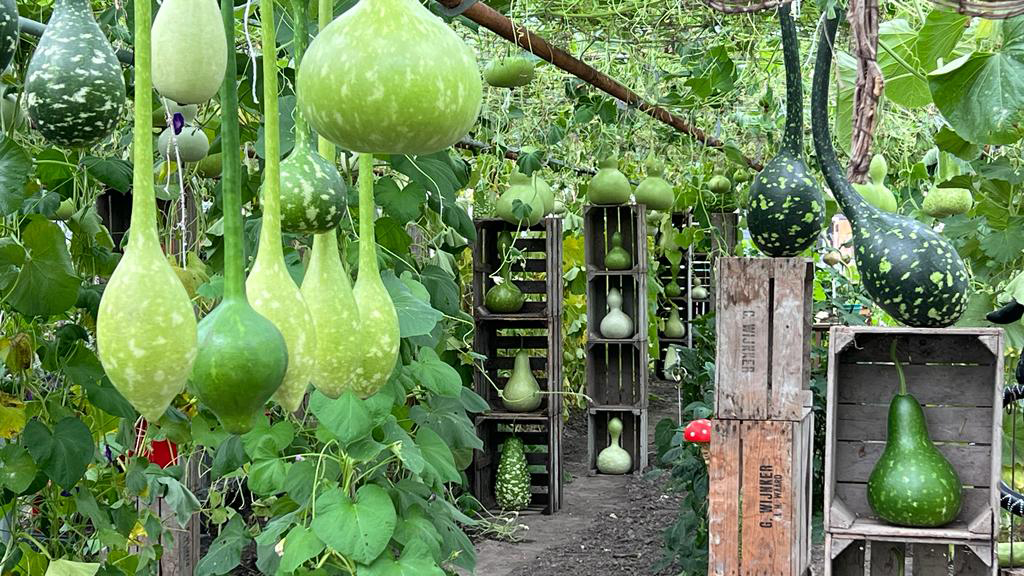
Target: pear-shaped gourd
609	186
146	328
653	191
675	258
912	484
786	210
875	192
512	484
9	30
616	323
189	145
505	297
613	459
913	273
510	72
74	88
390	77
522	203
522	392
617	257
270	287
313	195
674	327
242	357
190	51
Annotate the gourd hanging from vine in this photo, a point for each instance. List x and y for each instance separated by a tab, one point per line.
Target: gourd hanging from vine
190	52
146	328
9	30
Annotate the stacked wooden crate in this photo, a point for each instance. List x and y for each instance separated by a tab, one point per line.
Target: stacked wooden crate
498	338
617	368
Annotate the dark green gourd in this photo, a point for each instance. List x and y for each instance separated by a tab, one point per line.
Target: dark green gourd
910	271
786	210
74	87
9	29
912	484
313	195
242	356
617	257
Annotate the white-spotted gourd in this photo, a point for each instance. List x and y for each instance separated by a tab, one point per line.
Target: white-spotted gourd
9	30
190	52
74	87
912	272
389	77
146	328
786	210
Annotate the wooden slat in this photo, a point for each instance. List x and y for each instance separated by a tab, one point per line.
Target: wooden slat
849	562
742	349
937	384
854	495
930	560
791	331
854	461
521	342
917	346
768	504
724	475
967	563
945	424
887	558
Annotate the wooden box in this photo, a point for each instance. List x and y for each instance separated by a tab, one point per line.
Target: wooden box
634	304
763	322
632	440
617	374
500	342
759	498
600	222
540	277
543	456
956	374
919	557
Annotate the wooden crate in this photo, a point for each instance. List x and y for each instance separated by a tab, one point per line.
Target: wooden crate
544	457
500	342
540	278
928	557
759	498
600	222
956	373
617	374
634	303
633	439
763	322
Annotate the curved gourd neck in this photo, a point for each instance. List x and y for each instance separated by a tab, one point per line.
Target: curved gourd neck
325	14
270	232
793	140
143	221
616	439
852	204
367	208
326	244
231	194
300	26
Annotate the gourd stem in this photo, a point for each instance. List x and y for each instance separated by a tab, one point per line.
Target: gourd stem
899	367
231	195
270	231
793	139
325	13
367	241
143	220
300	27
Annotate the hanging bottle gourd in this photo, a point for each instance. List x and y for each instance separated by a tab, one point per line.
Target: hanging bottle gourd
653	191
190	52
73	87
190	144
675	258
390	77
616	324
914	274
522	392
145	328
504	244
242	356
9	30
617	257
609	186
674	327
522	203
505	297
786	210
270	287
613	459
313	195
510	71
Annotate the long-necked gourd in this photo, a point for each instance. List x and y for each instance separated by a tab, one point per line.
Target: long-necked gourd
614	459
270	287
189	51
74	88
786	210
146	328
521	392
674	327
912	272
389	77
313	195
242	356
617	258
9	30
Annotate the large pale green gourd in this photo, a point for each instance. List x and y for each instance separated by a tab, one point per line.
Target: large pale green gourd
189	51
146	328
270	287
389	77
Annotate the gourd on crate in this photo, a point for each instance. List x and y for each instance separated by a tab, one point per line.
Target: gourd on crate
522	392
653	191
505	297
675	258
613	459
190	52
74	87
510	71
523	203
699	293
609	186
674	327
617	257
512	486
9	30
616	323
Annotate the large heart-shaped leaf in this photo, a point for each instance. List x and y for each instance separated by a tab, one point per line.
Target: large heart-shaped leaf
225	552
904	80
346	417
15	166
17	470
358	529
47	284
69	568
938	37
63	454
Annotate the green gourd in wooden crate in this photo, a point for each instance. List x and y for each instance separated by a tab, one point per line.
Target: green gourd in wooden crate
512	484
674	327
609	186
523	203
614	459
616	323
190	52
505	297
617	257
521	392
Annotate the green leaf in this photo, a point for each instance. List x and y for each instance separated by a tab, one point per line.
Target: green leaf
435	374
18	468
415	561
47	284
298	483
409	452
1004	246
346	417
949	141
225	553
846	70
300	545
83	369
415	317
392	236
63	454
229	457
69	568
434	172
266	477
180	499
402	204
938	37
415	527
444	293
359	530
113	172
904	82
87	505
437	455
15	166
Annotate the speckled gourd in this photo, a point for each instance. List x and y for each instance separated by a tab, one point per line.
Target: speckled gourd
9	30
74	88
945	202
390	77
786	210
146	328
512	483
242	356
609	186
614	459
270	287
189	51
912	272
654	191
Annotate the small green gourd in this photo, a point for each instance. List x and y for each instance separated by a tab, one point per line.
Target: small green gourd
559	208
190	52
654	192
505	297
10	28
510	72
875	192
945	202
192	144
522	203
675	258
146	328
512	484
504	243
609	186
616	324
74	87
522	392
613	459
699	293
242	356
617	257
674	327
210	166
719	185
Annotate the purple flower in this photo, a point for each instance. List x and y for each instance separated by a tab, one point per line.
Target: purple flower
178	122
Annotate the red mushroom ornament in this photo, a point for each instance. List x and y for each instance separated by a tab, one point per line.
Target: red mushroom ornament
699	432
